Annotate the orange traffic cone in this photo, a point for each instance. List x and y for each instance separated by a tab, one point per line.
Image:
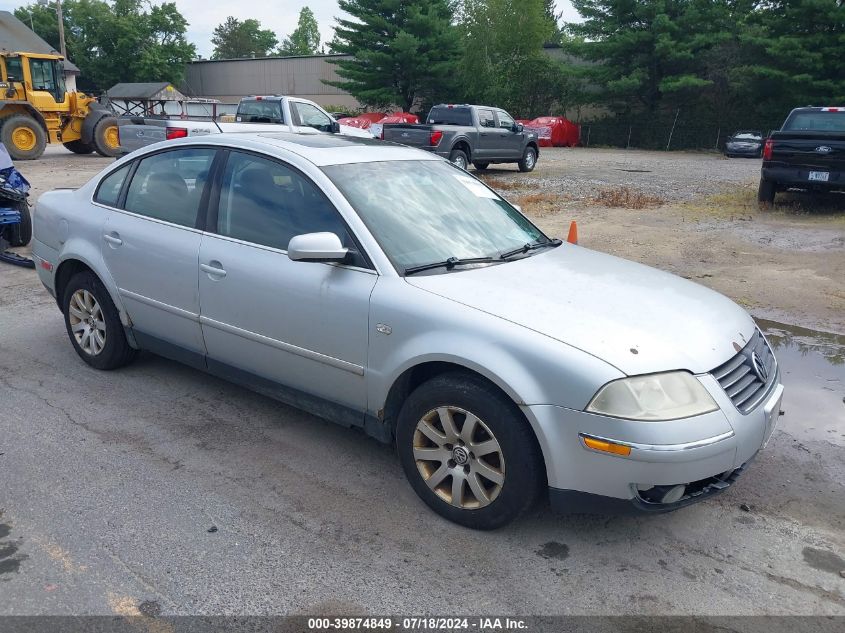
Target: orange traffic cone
572	238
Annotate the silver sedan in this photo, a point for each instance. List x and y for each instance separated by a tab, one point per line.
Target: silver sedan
380	287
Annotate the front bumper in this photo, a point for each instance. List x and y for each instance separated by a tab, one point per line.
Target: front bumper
705	454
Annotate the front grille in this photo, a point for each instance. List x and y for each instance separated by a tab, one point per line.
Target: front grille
739	378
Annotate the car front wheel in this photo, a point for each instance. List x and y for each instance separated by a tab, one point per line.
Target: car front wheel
468	452
93	323
529	160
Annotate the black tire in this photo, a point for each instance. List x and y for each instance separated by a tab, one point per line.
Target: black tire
529	160
481	166
458	157
522	463
116	351
78	147
104	143
21	234
766	193
32	131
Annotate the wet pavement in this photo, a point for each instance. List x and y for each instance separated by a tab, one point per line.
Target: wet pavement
812	365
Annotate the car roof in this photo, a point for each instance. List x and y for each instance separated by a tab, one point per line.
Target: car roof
319	149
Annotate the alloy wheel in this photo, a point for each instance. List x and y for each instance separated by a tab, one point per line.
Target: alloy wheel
87	322
459	458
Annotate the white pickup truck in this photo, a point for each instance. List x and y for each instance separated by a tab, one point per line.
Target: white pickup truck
255	114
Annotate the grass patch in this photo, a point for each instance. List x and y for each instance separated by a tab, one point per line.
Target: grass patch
741	202
626	198
539	205
501	185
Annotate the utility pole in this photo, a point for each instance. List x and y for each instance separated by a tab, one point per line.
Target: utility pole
62	48
61	28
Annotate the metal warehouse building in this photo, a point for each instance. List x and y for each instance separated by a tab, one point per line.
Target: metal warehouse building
230	79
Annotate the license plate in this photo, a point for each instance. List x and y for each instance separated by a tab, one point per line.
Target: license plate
821	176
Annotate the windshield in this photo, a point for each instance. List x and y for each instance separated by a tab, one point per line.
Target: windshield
817	120
260	112
422	212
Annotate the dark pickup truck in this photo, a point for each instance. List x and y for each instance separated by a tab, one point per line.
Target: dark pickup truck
808	152
470	134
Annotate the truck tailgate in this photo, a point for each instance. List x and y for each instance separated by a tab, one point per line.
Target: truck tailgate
408	134
813	150
138	132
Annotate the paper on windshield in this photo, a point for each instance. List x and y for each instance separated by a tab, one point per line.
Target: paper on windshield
474	186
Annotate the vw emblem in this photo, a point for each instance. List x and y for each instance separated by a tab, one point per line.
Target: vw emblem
759	368
824	149
460	455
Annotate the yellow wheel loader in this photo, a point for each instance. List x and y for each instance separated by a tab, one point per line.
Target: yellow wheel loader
36	109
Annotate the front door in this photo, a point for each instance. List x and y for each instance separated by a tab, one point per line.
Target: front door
301	324
511	141
151	247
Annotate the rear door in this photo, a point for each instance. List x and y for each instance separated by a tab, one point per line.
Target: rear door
151	246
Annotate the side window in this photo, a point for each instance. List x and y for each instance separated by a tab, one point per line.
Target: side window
505	120
109	190
168	186
42	74
14	69
485	118
310	116
264	202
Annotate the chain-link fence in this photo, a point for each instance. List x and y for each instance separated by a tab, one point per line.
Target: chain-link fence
664	136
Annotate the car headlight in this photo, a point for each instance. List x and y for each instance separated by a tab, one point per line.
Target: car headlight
654	397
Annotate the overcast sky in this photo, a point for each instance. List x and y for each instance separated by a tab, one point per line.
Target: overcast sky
280	16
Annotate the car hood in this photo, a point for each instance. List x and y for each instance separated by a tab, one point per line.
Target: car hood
638	319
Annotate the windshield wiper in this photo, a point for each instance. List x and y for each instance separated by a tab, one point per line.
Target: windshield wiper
531	246
449	264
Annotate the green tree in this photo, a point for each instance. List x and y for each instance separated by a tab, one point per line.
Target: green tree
235	39
793	55
404	52
125	40
504	62
305	39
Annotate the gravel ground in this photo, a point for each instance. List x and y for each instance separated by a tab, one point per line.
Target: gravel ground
674	177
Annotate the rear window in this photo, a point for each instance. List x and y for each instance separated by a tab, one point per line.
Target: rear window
440	115
260	112
817	121
109	190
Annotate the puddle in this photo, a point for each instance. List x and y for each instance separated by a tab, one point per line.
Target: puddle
812	366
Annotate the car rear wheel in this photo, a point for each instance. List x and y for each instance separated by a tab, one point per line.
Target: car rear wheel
468	452
481	166
93	323
766	193
529	160
458	157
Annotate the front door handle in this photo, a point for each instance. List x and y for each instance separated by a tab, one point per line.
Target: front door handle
214	270
113	238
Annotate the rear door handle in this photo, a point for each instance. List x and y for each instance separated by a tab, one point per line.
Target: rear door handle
214	270
113	238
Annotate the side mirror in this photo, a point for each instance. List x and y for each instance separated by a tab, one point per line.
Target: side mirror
335	127
317	247
518	127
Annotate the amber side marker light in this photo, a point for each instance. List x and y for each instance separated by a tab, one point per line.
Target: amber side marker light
606	447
